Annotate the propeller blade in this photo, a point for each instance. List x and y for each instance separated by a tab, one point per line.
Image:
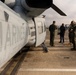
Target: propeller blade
58	10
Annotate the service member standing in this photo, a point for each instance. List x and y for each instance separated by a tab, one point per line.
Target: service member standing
72	36
52	28
62	32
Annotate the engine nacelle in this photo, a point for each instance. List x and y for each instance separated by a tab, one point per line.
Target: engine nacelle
10	3
24	4
36	7
32	4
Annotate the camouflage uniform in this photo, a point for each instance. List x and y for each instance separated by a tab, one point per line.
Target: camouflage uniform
72	35
52	33
74	38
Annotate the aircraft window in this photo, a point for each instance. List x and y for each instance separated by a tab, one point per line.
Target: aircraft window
32	27
40	29
33	33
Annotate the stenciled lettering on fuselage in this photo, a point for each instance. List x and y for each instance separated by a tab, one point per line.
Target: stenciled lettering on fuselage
0	36
14	35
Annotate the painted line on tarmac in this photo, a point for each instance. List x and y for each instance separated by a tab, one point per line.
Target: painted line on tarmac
50	70
57	40
55	48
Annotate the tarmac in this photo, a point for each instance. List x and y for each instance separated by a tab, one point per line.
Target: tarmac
59	60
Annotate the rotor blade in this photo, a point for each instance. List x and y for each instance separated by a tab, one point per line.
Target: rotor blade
58	10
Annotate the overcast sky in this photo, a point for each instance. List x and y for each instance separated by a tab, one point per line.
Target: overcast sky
67	6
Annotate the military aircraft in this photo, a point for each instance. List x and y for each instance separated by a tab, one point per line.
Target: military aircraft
20	25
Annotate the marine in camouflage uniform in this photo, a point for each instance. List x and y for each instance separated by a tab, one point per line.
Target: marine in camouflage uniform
72	34
74	43
52	28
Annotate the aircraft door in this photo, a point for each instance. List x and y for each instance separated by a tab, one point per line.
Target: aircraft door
40	31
